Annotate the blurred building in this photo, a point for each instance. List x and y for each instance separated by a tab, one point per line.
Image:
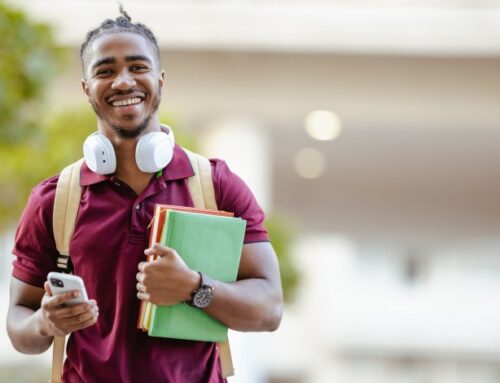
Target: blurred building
399	215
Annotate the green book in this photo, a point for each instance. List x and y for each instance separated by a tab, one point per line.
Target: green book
207	243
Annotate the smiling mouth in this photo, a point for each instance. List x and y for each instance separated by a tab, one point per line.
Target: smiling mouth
127	102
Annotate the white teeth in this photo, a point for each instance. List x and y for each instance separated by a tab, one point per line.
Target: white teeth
130	101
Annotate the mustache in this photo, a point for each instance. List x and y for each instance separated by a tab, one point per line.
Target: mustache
127	92
124	92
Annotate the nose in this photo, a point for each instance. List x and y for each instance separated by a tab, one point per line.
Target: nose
123	81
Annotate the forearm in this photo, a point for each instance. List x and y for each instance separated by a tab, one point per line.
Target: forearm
247	305
253	303
25	330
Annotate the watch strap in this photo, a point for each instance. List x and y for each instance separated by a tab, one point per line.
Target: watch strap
205	283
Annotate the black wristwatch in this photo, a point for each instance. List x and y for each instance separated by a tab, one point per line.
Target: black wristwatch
204	294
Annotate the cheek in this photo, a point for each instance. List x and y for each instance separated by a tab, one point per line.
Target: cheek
159	87
95	92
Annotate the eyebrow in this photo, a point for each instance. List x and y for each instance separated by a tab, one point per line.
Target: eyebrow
104	61
111	60
138	58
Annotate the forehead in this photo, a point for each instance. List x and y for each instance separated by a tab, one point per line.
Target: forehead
119	45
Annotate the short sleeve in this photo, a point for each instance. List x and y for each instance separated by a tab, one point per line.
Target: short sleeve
34	246
232	194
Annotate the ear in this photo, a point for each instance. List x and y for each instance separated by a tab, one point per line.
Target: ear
85	87
161	79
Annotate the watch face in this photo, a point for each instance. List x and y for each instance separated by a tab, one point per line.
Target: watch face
203	297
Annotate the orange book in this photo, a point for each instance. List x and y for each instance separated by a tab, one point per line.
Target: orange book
159	216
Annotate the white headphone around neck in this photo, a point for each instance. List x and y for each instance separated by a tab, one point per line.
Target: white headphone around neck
153	152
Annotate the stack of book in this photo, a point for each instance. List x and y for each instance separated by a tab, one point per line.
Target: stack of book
208	241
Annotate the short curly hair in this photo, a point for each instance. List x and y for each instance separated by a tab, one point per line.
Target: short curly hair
122	23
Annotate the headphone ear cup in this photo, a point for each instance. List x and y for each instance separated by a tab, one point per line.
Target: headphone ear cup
154	151
99	154
171	136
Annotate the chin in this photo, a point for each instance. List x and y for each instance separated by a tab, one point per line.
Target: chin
131	132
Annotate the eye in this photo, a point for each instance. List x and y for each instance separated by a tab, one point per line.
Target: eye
138	68
103	73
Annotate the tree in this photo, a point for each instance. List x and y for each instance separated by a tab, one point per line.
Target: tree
282	234
30	58
34	147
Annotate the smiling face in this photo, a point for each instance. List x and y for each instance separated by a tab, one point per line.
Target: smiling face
123	82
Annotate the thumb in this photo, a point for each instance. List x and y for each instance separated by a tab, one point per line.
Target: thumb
46	286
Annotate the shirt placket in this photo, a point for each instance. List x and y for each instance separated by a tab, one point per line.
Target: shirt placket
140	217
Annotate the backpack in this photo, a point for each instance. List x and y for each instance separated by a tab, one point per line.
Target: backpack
66	205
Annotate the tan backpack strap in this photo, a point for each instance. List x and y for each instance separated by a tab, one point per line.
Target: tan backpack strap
66	204
57	359
226	360
201	188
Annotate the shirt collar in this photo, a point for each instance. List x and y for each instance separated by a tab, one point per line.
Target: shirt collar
178	168
88	177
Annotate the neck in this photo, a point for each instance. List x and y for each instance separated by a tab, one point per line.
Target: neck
127	169
126	165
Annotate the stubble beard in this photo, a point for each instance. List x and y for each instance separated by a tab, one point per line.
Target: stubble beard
134	133
129	133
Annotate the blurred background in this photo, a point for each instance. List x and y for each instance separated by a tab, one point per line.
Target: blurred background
369	131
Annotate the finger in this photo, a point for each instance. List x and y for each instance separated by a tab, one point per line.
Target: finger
71	315
158	249
140	287
141	266
59	299
46	286
80	326
139	277
73	311
86	324
162	248
143	296
78	320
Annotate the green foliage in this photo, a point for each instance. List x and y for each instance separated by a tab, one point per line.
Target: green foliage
182	137
33	148
29	59
56	142
282	234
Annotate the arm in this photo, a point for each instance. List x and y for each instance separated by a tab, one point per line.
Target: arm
34	317
253	303
23	318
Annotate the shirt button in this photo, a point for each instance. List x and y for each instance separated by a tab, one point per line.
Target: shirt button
138	206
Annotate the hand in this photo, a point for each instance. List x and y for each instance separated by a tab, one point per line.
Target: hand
167	280
60	320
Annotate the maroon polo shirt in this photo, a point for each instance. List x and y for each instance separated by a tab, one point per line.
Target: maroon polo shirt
108	243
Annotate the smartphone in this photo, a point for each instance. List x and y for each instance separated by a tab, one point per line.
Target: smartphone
62	283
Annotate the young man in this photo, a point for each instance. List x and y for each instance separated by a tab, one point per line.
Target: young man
123	82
